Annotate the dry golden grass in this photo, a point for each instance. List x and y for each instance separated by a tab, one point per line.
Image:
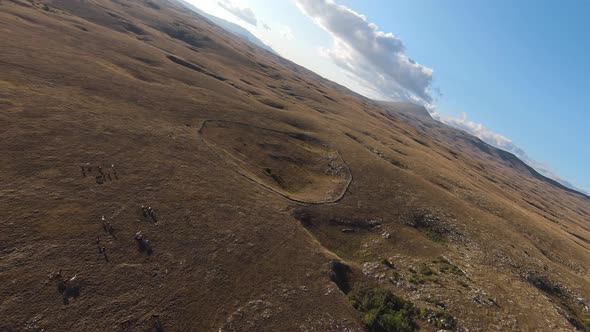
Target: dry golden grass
130	83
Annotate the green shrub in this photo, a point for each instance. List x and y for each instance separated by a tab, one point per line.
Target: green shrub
446	266
383	311
416	279
426	270
434	236
386	262
435	302
395	276
463	283
586	320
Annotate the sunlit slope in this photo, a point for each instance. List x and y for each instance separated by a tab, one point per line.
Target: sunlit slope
195	122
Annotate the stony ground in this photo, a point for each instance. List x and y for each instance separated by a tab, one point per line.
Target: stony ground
469	235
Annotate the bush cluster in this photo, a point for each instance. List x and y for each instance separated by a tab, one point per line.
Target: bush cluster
383	311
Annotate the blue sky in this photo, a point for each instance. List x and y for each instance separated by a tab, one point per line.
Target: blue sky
511	72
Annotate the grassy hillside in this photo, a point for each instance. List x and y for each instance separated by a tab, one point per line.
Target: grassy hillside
315	210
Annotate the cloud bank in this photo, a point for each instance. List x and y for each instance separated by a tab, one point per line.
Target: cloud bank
480	131
374	58
245	14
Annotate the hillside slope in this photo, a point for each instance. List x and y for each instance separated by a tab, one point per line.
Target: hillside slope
284	202
231	27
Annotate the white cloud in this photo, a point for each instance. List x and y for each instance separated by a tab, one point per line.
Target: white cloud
286	33
480	131
377	59
245	14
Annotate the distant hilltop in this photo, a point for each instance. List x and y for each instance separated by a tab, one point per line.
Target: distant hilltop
405	108
230	27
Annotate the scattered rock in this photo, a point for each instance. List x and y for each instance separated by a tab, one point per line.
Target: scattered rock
374	270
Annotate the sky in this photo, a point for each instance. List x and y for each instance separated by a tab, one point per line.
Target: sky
512	73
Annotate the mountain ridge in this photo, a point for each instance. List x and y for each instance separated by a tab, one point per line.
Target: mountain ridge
422	113
229	26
